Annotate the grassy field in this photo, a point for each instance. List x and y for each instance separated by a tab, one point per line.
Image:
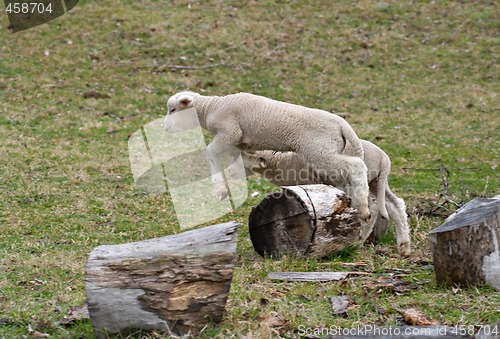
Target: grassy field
418	78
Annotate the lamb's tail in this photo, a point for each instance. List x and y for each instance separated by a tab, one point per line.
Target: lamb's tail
382	184
349	134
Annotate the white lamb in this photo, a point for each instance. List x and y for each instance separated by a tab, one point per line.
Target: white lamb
289	168
252	122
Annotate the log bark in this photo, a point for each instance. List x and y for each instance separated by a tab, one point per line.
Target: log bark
466	247
174	284
306	220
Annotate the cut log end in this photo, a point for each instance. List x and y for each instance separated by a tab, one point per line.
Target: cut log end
308	220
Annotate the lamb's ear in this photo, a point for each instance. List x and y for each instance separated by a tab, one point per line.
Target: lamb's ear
185	100
262	162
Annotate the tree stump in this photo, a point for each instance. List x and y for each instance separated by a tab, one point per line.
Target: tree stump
466	247
176	284
306	220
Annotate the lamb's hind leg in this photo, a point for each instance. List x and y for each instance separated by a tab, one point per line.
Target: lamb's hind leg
396	209
349	173
359	181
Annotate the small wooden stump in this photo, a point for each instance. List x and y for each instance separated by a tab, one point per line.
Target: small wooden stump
466	247
176	284
306	220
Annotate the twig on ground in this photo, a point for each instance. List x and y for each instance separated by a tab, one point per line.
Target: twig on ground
486	185
461	186
444	180
162	68
433	169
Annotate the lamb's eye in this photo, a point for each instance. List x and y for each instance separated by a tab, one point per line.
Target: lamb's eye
172	110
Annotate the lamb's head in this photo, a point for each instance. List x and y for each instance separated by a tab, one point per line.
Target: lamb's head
181	114
254	163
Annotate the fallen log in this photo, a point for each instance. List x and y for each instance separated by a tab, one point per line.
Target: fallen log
306	220
175	284
307	276
466	248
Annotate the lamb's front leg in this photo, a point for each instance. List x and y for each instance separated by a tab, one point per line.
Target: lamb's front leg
236	168
397	212
215	152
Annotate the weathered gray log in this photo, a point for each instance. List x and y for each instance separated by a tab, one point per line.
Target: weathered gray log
307	276
306	220
489	331
176	284
466	247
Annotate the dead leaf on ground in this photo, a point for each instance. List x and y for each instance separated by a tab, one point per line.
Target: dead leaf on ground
412	316
75	314
5	321
340	305
95	95
276	293
37	334
274	320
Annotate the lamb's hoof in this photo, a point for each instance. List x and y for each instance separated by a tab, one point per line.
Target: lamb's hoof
221	193
404	249
236	171
366	217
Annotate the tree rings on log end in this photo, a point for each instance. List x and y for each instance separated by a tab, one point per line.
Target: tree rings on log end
281	224
306	220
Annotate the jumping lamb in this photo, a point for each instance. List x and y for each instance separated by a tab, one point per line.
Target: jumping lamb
289	168
252	122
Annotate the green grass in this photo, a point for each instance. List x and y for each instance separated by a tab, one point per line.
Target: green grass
419	79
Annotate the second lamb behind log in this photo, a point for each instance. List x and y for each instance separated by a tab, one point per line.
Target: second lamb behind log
250	122
289	169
